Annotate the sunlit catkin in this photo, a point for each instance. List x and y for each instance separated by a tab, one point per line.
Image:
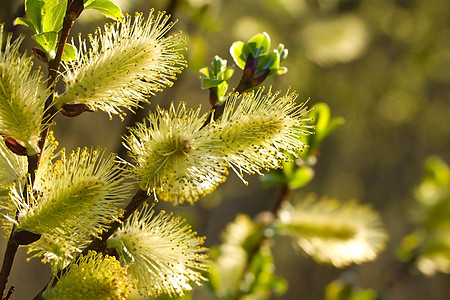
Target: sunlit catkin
161	252
127	62
22	96
93	276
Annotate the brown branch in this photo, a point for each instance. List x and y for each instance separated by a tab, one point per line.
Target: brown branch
284	196
33	161
99	244
10	253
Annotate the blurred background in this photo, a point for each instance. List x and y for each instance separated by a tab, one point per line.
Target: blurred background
384	66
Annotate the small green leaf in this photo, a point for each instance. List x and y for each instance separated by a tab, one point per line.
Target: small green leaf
321	115
206	71
210	82
274	178
54	17
270	62
237	51
301	177
47	41
222	89
227	74
106	7
33	10
282	51
282	70
26	22
218	64
69	53
259	44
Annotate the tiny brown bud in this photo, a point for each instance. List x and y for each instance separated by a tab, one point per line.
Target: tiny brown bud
25	237
40	54
74	110
74	10
15	146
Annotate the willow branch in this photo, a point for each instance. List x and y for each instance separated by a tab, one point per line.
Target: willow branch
99	243
10	253
33	161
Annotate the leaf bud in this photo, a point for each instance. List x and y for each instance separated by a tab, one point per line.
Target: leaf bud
40	54
74	110
25	237
15	146
74	10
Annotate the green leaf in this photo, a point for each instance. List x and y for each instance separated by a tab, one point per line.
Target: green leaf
270	62
282	51
69	53
211	82
206	71
218	64
26	22
301	177
33	10
263	282
239	54
324	126
274	178
227	74
54	17
222	89
106	7
259	44
282	70
47	41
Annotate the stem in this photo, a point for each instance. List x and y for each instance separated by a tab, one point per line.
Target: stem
53	69
99	243
33	161
284	196
8	260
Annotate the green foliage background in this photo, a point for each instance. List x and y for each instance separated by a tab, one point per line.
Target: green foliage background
382	65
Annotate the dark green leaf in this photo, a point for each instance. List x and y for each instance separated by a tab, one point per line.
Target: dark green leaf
210	82
274	178
270	62
218	65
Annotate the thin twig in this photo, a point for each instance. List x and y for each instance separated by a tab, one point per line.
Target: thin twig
33	161
10	252
99	243
10	292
